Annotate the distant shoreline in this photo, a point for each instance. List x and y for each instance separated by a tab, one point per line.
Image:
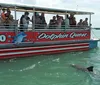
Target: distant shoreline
96	28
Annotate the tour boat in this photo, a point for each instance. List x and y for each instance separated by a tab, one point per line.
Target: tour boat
31	42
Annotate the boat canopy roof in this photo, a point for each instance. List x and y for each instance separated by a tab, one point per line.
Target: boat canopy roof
31	8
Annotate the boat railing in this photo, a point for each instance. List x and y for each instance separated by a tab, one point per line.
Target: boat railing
41	27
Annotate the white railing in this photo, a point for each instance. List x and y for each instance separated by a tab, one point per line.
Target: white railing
40	27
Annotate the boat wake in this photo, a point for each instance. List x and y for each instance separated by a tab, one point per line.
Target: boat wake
56	60
95	78
28	68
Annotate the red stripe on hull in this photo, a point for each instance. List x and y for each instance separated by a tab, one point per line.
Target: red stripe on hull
41	48
43	52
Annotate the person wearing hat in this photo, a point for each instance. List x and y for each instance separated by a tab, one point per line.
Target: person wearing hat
8	13
8	17
3	17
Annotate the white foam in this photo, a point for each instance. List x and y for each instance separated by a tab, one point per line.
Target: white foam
29	68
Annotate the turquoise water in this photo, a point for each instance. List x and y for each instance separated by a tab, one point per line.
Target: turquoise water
52	69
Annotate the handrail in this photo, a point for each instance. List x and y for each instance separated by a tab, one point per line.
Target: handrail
42	28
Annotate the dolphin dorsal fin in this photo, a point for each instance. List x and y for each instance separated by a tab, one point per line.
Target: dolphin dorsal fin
90	68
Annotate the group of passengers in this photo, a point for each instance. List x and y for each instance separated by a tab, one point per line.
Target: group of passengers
58	22
39	22
82	23
6	18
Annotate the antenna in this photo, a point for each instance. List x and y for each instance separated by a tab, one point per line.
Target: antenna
77	8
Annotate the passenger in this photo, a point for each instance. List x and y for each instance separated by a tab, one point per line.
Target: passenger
11	19
63	23
36	20
85	22
24	21
80	23
72	20
3	17
43	21
59	22
67	22
7	18
8	13
53	23
57	16
21	23
11	22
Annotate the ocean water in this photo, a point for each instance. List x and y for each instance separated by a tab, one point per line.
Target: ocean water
52	69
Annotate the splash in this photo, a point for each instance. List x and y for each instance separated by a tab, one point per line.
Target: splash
56	60
29	68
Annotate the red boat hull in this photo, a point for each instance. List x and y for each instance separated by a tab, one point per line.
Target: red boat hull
51	49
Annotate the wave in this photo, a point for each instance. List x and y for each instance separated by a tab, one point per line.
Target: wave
29	68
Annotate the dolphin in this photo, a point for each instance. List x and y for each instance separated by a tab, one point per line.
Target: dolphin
87	69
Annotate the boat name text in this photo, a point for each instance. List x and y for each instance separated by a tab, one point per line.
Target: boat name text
60	35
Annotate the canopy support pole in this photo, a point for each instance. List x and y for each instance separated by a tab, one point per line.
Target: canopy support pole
90	20
33	20
16	28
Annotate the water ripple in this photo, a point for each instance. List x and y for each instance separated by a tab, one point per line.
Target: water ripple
28	68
